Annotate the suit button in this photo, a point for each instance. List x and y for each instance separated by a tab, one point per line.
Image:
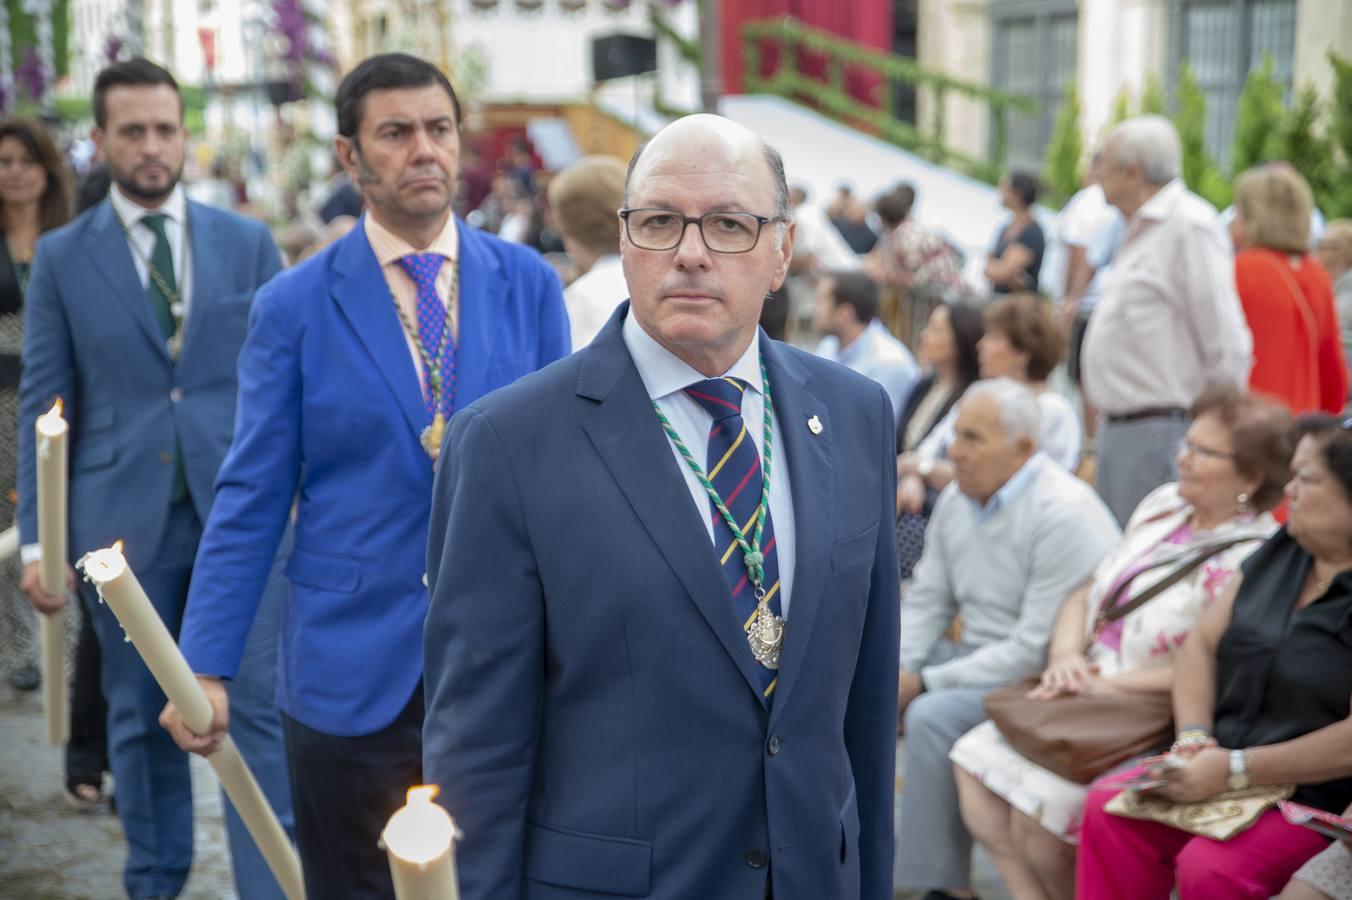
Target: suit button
756	858
176	394
773	746
166	458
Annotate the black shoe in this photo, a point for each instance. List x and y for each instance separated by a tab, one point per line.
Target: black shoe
25	678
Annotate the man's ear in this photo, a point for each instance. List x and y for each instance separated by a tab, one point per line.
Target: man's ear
345	149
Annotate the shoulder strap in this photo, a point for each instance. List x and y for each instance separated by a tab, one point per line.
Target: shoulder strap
1111	611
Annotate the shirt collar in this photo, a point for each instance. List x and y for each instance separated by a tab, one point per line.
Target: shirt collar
1011	489
175	207
664	373
1161	204
390	248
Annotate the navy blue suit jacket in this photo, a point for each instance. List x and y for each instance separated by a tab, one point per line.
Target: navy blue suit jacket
330	414
91	338
594	719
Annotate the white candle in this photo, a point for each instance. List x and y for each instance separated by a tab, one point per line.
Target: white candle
420	839
118	587
53	475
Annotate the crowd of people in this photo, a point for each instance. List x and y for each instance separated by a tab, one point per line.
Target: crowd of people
500	482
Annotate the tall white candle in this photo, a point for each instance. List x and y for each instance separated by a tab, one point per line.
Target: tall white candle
53	475
420	840
118	587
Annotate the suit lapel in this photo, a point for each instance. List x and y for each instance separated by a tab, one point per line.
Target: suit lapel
481	290
111	254
807	461
362	295
630	442
204	260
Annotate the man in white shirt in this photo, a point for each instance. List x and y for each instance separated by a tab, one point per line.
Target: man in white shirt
1009	540
847	314
1169	322
584	199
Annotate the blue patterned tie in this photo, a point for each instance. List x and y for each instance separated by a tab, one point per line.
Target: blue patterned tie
734	468
423	269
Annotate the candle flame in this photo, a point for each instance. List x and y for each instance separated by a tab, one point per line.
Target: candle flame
421	831
56	408
117	546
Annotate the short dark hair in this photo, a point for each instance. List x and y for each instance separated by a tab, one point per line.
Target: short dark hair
135	72
894	207
773	160
1334	437
1027	321
383	72
1262	438
1025	186
855	290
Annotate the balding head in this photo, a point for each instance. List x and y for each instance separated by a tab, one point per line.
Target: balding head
1140	156
691	136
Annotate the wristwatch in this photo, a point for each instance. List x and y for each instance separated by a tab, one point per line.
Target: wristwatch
1239	779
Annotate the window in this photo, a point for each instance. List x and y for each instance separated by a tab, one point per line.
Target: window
1223	40
1033	53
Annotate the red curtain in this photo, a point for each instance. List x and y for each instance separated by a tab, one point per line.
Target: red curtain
867	22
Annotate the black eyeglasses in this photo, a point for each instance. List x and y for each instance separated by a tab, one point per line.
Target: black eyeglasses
722	232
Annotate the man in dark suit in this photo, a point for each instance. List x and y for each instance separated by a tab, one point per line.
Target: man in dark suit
355	360
633	689
135	314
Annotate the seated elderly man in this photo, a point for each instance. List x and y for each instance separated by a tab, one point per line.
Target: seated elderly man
1010	538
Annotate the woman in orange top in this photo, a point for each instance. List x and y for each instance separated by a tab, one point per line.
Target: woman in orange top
1286	294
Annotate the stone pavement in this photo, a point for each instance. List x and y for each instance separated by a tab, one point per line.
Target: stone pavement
49	851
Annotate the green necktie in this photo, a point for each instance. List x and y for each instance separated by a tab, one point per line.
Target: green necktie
162	261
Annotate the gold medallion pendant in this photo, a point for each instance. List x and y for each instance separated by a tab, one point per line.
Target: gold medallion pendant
432	436
765	634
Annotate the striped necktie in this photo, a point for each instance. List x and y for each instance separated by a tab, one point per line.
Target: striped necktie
734	469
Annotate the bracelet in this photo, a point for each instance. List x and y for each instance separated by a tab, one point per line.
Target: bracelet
1193	736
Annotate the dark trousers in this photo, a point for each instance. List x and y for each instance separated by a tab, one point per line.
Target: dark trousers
87	750
344	790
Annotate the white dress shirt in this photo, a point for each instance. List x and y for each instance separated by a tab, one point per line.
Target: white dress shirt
1169	320
665	376
141	239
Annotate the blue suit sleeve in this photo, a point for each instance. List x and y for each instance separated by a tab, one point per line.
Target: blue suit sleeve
269	260
48	372
484	657
556	338
254	490
871	716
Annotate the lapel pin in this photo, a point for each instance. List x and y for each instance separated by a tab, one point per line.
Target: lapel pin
814	425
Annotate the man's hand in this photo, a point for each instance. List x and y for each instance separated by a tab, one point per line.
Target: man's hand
30	583
1204	776
201	744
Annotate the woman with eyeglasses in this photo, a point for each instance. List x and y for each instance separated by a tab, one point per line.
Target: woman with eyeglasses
1261	698
1231	468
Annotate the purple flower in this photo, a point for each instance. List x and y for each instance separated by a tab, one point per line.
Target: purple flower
30	74
111	48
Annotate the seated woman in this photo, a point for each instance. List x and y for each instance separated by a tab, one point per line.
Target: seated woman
1261	695
948	345
1231	468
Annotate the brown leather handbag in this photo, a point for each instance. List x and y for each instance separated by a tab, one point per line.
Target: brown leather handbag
1081	736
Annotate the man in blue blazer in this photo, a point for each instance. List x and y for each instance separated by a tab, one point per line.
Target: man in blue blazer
135	314
634	690
354	360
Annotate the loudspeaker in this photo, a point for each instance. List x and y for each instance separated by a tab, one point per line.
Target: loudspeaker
621	55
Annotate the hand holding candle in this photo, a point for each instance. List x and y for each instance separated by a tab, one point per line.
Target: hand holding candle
420	840
118	587
53	475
